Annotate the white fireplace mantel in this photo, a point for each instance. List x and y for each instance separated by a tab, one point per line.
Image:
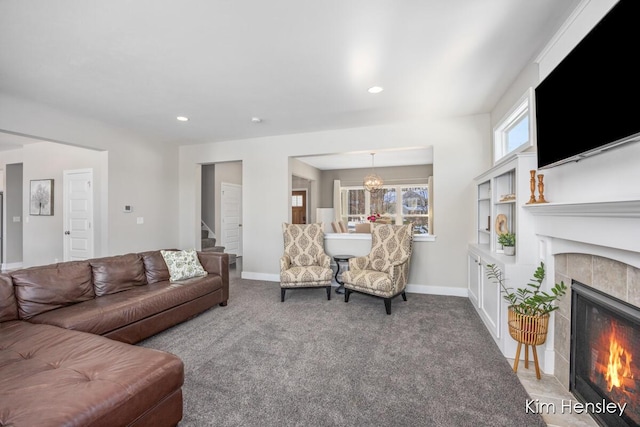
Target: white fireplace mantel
615	209
609	229
613	226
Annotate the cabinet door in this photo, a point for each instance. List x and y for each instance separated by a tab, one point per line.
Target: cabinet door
490	302
473	271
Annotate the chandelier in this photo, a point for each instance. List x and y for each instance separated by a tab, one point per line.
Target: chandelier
372	182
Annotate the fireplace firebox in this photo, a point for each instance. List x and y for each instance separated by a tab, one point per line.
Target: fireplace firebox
605	356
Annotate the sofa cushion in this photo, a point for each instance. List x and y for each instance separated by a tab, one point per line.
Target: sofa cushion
53	377
183	264
43	288
8	307
117	273
110	312
154	266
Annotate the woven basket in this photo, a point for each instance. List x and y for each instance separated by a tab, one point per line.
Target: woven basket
531	330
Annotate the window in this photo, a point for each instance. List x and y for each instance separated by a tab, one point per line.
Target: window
396	204
296	201
514	133
354	205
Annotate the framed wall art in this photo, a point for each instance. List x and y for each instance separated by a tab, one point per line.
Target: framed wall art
41	197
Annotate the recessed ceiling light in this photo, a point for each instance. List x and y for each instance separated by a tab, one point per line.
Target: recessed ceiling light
375	89
256	119
183	118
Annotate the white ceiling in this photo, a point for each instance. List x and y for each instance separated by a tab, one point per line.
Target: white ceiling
363	159
300	66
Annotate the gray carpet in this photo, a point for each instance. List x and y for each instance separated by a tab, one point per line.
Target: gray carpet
313	362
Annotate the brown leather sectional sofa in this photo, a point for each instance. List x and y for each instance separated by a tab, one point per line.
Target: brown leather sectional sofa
66	332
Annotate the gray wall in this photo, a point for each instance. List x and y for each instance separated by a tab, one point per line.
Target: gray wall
209	195
390	175
13	202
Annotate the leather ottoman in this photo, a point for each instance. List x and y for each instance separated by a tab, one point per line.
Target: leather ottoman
51	376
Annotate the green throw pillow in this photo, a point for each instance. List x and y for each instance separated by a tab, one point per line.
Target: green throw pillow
183	264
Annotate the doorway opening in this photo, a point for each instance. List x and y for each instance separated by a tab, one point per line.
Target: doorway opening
299	207
221	208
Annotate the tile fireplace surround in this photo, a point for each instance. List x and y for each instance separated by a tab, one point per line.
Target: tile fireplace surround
597	244
615	278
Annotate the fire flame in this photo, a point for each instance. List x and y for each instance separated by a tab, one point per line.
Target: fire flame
619	365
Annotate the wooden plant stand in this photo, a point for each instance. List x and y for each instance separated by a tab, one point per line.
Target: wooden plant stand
530	331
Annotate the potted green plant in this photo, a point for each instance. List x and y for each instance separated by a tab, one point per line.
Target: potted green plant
508	242
529	300
529	310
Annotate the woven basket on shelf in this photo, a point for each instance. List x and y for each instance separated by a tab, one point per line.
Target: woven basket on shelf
530	330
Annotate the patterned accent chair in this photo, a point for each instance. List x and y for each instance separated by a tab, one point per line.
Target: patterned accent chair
304	263
384	272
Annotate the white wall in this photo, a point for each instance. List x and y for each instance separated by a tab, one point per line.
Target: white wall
609	176
43	235
583	19
140	173
461	151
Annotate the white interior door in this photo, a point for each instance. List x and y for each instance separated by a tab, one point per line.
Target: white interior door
78	214
231	218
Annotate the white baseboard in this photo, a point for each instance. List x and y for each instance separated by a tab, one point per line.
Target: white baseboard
437	290
11	266
416	289
260	276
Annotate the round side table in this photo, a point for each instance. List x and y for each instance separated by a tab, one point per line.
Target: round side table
338	259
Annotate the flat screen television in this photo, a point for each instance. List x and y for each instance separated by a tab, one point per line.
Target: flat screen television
587	104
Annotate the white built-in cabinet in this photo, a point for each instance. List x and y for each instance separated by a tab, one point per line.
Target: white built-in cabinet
502	190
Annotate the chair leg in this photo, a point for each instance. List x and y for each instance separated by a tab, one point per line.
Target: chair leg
404	296
329	292
387	305
282	291
347	292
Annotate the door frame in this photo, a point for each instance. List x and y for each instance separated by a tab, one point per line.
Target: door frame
306	203
65	211
224	185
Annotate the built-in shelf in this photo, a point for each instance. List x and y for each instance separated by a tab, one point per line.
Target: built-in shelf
500	193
